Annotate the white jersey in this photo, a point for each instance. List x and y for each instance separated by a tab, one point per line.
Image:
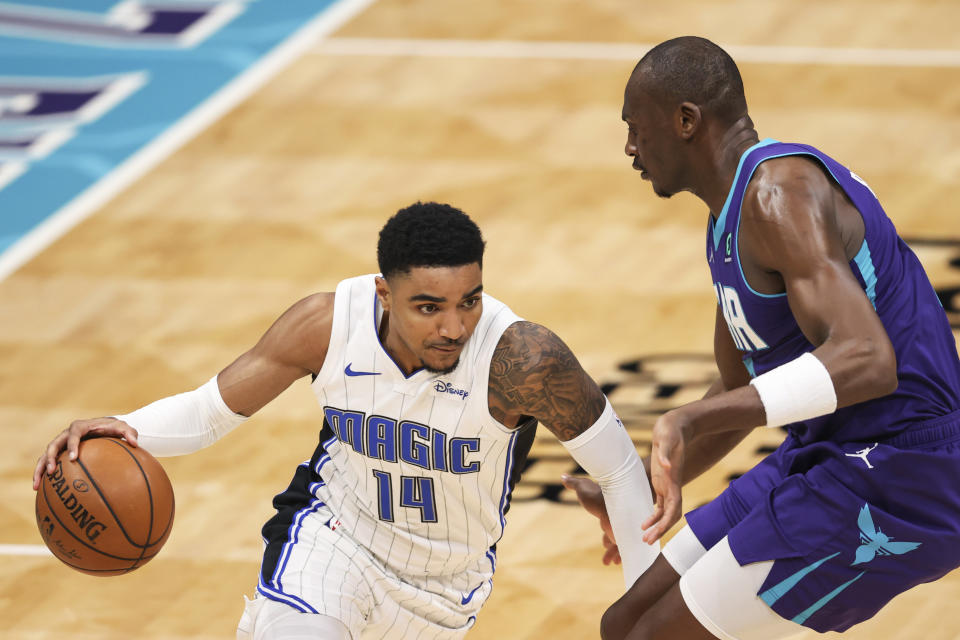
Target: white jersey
413	468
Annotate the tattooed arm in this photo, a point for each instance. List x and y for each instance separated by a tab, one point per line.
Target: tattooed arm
533	373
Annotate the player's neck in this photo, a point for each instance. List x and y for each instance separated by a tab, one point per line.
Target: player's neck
405	359
726	154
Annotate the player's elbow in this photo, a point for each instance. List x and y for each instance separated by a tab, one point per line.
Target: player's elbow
879	370
886	369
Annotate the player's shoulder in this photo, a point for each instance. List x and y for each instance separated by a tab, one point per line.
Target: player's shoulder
310	316
526	337
530	369
316	305
785	188
525	346
302	334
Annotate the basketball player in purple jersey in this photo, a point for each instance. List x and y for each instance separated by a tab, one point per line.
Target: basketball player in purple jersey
827	324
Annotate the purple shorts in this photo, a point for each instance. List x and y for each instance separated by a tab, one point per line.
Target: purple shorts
849	524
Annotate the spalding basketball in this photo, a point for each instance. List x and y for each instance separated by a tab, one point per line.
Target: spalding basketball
107	512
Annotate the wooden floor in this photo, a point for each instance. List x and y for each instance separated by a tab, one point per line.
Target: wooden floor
284	196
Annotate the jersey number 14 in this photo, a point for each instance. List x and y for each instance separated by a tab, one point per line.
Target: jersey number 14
416	492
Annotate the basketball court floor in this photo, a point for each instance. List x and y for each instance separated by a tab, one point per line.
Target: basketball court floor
511	111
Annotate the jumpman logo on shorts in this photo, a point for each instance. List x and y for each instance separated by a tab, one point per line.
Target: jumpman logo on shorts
863	453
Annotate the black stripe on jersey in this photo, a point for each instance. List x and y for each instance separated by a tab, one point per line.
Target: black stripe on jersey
526	433
289	503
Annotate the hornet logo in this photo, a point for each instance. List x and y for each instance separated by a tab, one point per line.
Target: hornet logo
874	542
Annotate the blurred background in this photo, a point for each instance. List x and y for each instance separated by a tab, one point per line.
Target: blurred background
173	175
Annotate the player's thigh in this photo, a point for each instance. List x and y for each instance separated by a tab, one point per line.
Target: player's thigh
316	570
421	608
714	520
722	596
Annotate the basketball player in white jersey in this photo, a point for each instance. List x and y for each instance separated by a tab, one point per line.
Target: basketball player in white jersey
431	391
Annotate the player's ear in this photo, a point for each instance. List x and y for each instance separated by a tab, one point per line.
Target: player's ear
383	292
687	119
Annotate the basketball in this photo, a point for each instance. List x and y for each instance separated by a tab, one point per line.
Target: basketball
109	511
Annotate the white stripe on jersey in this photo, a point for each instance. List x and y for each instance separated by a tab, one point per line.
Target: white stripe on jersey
418	471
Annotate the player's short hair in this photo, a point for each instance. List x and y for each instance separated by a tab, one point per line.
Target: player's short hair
693	69
428	234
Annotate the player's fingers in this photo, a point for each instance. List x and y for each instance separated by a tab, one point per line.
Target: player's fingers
611	555
656	532
655	516
652	530
73	440
38	471
669	515
663	454
588	494
580	485
129	433
573	484
658	528
113	427
53	450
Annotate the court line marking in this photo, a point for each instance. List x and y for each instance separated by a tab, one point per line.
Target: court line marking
24	550
203	115
512	49
39	550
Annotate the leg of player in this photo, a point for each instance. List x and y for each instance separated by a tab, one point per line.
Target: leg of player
621	616
265	619
677	556
715	598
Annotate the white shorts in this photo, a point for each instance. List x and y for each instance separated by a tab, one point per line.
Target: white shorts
326	572
721	594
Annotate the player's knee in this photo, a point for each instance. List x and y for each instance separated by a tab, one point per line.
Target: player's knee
615	622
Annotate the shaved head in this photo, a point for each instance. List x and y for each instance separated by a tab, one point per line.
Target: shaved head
692	69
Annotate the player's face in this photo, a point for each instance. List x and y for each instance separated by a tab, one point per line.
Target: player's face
648	129
433	311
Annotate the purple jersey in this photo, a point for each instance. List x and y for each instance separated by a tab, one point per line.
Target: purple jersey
764	329
860	505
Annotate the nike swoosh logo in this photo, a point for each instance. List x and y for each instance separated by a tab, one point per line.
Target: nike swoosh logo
351	372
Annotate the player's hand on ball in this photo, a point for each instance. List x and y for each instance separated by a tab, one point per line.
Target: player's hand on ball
666	475
591	498
70	437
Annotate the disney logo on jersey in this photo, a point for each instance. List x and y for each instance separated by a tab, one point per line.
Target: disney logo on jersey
446	387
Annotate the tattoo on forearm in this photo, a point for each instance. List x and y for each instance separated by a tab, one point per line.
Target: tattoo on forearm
534	373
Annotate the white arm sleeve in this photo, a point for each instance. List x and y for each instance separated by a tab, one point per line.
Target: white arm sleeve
183	423
606	452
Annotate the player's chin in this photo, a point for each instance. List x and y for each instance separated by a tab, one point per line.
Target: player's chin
441	360
662	192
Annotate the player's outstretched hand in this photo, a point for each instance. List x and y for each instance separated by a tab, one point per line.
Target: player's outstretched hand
666	473
70	437
591	498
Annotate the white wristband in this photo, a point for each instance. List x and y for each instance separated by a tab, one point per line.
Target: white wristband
606	452
798	390
183	423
